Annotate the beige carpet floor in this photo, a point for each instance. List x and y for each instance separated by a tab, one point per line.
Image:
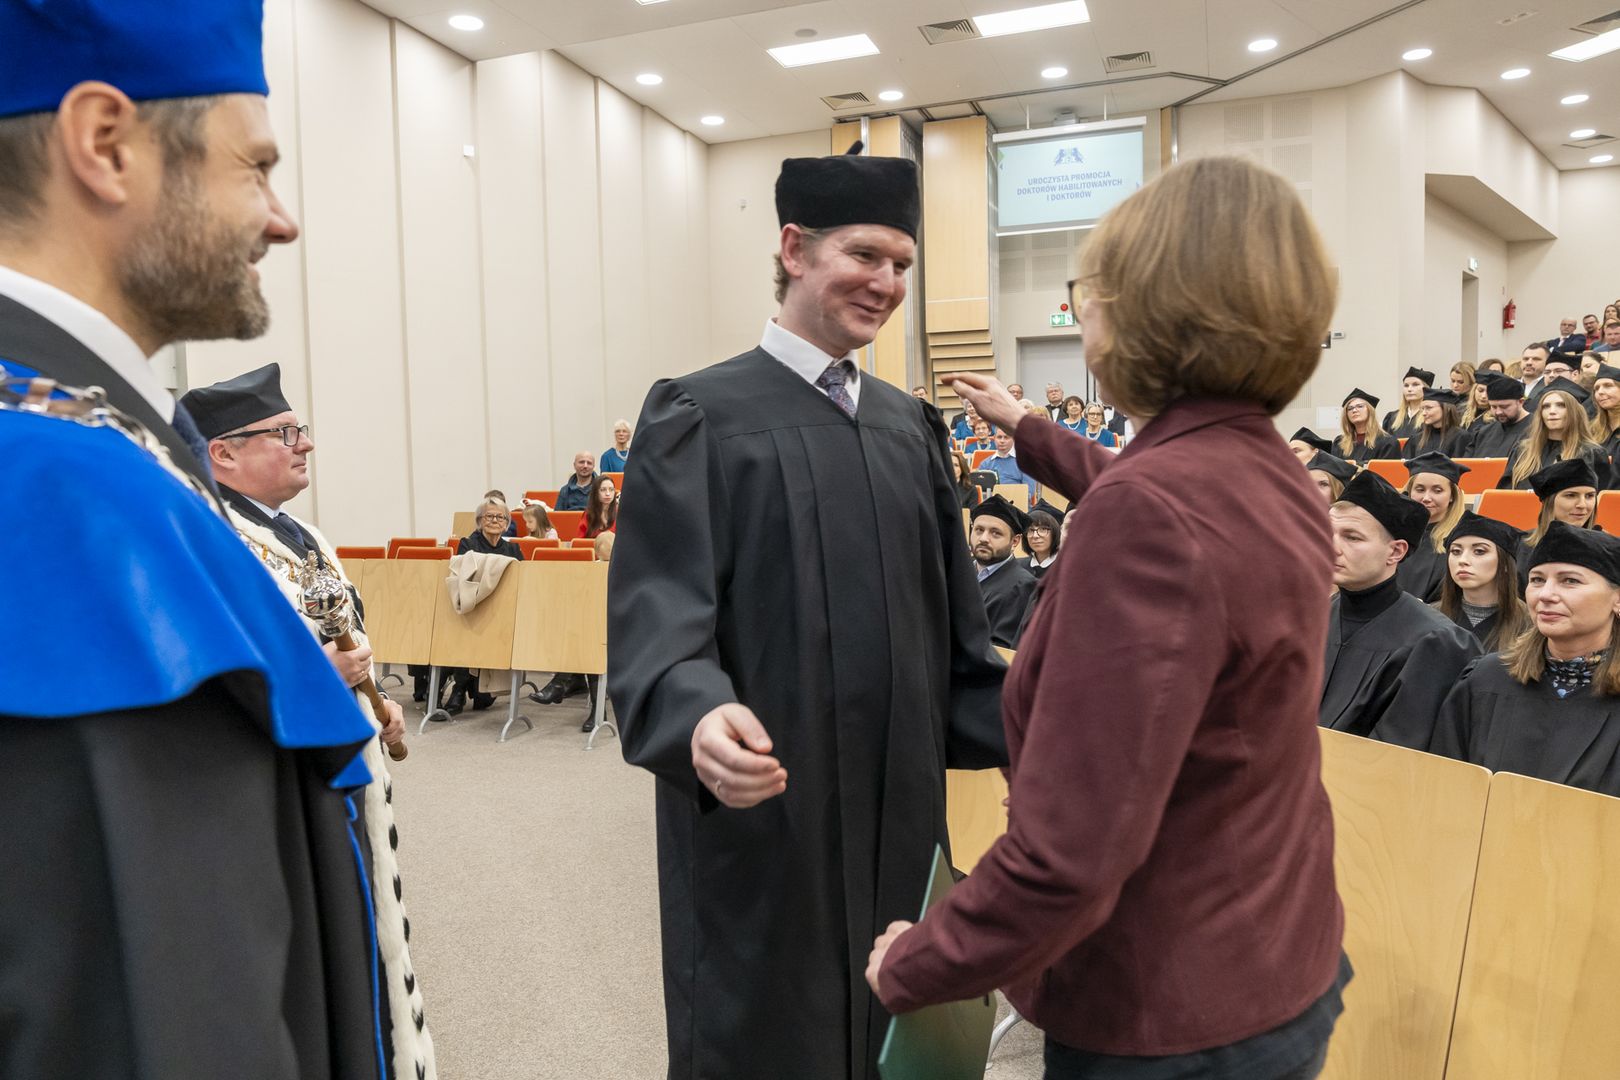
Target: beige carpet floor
532	889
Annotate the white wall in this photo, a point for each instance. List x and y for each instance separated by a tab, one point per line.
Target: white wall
1572	275
449	323
1450	240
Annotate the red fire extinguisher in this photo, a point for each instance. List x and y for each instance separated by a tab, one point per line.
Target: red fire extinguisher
1509	313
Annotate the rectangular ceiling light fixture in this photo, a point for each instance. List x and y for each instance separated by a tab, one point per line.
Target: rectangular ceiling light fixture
1044	17
822	52
1592	46
644	3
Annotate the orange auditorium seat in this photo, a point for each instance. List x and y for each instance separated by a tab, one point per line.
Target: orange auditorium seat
1518	508
981	455
582	543
561	554
547	543
519	524
1391	469
566	522
617	478
362	553
1608	512
527	544
1482	474
399	542
424	553
547	497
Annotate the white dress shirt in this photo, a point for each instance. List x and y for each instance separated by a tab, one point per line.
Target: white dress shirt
94	330
806	360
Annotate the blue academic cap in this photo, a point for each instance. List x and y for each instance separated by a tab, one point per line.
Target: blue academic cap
149	49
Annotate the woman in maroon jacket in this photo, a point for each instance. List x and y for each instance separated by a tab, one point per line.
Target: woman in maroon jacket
1163	903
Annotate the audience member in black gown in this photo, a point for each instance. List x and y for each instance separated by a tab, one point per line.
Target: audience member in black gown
1042	538
1481	591
1559	431
1510	423
1403	423
487	539
1006	586
1360	437
1606	421
1548	706
1439	427
966	489
1390	657
1305	443
1476	416
1568	493
1432	482
1330	474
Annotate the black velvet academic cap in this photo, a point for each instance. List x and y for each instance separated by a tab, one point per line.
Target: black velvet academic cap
1561	476
1404	518
1444	397
998	507
1435	462
1499	387
1500	533
237	403
1333	465
1047	508
1419	373
1604	371
1311	439
1570	387
848	189
1563	543
1358	392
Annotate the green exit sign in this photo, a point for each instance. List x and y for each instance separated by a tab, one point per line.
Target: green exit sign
1063	318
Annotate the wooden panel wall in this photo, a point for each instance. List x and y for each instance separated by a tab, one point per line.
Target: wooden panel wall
956	259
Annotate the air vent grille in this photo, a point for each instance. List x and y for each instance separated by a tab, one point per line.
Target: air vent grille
1600	25
1587	144
956	30
846	101
1134	61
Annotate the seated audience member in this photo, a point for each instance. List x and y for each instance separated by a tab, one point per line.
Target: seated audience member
602	547
1035	410
576	490
920	393
1016	390
1569	340
1611	338
1568	493
1590	362
1532	361
1361	438
1096	428
1548	705
1481	590
1558	432
1475	416
1611	313
1439	428
538	522
1005	464
1493	365
497	493
1593	329
1054	401
1558	366
1403	422
1116	421
1463	375
1606	422
601	511
1007	587
1074	414
966	490
962	426
488	539
1041	538
1330	473
1306	444
983	438
1432	483
616	457
1515	368
1510	423
1390	657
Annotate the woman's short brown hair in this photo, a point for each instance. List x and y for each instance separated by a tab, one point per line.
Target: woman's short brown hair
1227	246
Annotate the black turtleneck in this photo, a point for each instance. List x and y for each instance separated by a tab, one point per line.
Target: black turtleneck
1358	607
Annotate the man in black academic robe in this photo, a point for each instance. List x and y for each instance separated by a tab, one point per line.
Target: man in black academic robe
798	650
1511	423
1008	588
1391	658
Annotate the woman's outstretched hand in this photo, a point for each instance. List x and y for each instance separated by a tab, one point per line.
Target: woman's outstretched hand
989	397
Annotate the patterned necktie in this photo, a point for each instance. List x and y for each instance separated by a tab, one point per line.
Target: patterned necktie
834	381
186	428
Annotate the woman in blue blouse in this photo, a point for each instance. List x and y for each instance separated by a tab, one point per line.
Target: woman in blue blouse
1073	414
1094	429
617	456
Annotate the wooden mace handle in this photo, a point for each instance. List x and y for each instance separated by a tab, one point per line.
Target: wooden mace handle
398	751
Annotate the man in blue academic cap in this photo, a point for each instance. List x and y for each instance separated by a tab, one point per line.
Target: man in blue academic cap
184	892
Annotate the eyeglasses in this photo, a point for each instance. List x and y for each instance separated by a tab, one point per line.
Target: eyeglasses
290	433
493	518
1037	529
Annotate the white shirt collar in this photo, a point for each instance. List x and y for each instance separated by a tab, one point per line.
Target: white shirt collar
94	330
807	360
269	513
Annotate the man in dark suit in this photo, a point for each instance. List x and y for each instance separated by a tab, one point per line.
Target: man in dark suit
1007	586
1054	402
1569	339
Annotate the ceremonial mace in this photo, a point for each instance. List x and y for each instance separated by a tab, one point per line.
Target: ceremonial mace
326	600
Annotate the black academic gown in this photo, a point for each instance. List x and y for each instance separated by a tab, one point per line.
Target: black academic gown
179	895
1387	447
1491	720
1481	630
1404	430
1452	444
1593	453
1423	570
1389	679
1007	594
1495	440
776	552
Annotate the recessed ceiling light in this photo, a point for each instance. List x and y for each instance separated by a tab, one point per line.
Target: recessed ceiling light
1575	99
644	3
714	121
1592	46
647	78
1601	159
890	95
1264	44
1054	72
1417	54
1515	73
1043	17
1583	133
466	22
822	52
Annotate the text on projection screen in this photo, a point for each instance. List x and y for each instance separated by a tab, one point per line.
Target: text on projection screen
1065	183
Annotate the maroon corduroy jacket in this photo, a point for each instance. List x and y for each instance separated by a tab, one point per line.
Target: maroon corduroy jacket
1165	884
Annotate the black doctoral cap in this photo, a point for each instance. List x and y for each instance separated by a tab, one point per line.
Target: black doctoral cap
1563	543
1335	466
1419	373
1561	476
848	189
1570	387
1047	508
1500	533
1433	461
998	507
237	403
1311	439
1404	518
1604	371
1499	387
1358	392
1444	397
